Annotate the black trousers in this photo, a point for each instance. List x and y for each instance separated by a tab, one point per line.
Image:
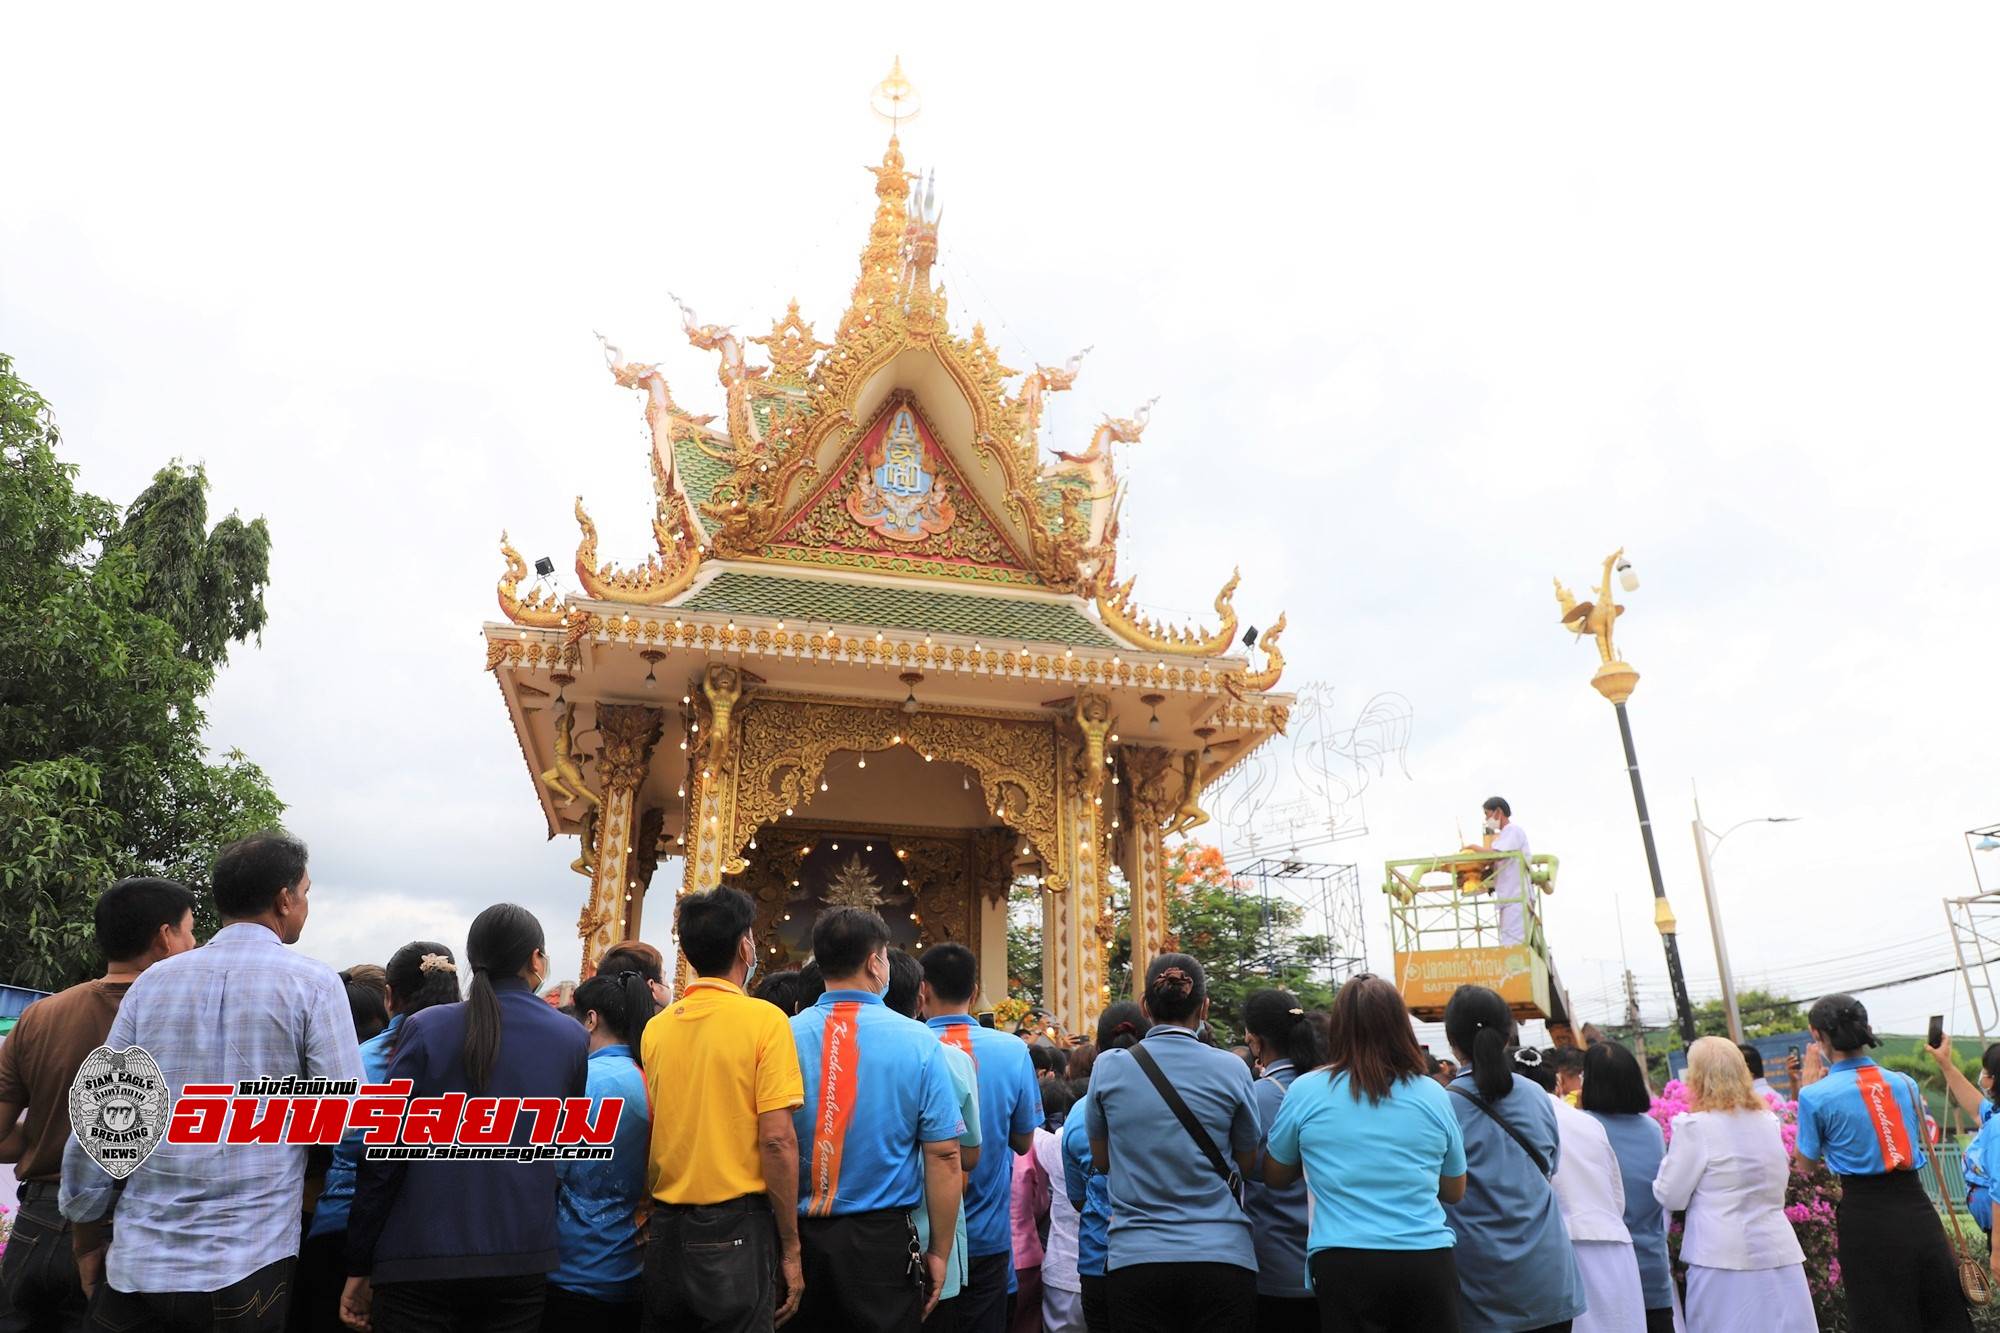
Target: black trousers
257	1304
982	1305
460	1305
39	1289
317	1284
1895	1263
1182	1298
1660	1320
858	1277
564	1310
943	1317
1096	1303
1386	1291
712	1268
1287	1314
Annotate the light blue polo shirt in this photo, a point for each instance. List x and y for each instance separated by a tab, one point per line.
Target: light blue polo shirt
1167	1203
876	1091
1978	1171
1516	1267
1639	1146
599	1238
965	1087
1373	1166
1089	1192
1010	1102
1859	1117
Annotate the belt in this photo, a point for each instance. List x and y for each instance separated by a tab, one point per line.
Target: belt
742	1203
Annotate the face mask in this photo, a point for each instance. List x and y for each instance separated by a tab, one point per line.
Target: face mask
750	973
1492	826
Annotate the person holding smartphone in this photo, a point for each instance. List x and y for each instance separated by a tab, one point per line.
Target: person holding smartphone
1867	1124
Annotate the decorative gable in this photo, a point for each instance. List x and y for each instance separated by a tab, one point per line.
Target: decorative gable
895	502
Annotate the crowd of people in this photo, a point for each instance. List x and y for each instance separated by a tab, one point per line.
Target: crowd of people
845	1146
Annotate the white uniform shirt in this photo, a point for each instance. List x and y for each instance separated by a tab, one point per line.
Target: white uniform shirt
1728	1170
1507	879
1589	1186
1059	1255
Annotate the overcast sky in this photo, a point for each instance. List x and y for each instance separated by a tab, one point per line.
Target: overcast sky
1440	302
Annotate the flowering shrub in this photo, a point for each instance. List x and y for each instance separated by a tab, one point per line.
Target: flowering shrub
1810	1199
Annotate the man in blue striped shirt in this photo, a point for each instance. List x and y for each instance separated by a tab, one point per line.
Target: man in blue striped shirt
204	1230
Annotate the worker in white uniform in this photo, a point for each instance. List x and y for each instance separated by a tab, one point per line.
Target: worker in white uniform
1508	884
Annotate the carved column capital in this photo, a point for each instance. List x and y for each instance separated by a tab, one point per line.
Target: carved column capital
627	734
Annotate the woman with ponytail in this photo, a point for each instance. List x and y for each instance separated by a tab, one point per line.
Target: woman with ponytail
1175	1121
468	1244
1119	1028
1284	1043
1516	1268
419	975
599	1241
1867	1124
1376	1140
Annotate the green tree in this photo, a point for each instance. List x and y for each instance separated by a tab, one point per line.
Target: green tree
1763	1015
1242	942
112	629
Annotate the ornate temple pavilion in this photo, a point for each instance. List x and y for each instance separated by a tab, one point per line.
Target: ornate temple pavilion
881	652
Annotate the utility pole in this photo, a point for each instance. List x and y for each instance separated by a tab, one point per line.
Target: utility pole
1715	928
1632	1021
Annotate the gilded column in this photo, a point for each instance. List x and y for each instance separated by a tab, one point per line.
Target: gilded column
1150	801
711	850
627	734
645	860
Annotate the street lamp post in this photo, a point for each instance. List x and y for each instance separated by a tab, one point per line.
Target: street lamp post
1615	680
1706	851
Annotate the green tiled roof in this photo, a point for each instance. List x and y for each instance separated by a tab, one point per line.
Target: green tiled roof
699	473
877	605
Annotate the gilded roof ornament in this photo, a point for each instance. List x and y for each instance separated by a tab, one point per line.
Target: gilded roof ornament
1037	385
664	576
541	608
791	347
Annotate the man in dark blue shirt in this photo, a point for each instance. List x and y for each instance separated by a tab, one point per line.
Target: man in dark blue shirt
1010	1107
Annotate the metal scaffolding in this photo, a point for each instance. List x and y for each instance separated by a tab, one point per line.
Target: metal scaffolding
1975	930
1329	899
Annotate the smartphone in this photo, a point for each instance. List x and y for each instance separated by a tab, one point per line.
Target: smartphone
1793	1053
1936	1037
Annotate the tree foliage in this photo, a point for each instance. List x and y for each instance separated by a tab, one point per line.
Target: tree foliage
1763	1015
1242	941
112	629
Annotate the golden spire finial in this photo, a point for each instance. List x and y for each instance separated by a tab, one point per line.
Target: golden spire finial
875	292
895	99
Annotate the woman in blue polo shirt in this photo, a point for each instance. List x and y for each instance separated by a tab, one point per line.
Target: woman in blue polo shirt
1867	1124
1517	1271
1119	1028
1285	1044
1379	1145
1173	1192
599	1237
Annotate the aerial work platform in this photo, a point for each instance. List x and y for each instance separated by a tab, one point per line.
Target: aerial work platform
1446	929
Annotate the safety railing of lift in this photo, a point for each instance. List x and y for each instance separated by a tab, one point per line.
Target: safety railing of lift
1429	916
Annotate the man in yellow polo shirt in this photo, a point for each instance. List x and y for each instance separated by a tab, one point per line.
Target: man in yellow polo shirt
722	1073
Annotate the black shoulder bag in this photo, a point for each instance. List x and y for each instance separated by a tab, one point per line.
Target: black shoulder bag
1220	1164
1512	1133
